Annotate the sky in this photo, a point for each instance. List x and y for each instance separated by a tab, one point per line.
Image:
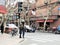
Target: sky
2	2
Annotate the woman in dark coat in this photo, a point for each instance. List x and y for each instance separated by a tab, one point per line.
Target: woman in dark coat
2	28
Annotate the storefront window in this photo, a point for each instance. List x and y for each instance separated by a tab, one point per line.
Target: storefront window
41	24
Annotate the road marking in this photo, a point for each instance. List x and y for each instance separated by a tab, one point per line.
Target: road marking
33	44
21	40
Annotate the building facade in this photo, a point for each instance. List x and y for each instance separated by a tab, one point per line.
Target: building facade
38	12
44	8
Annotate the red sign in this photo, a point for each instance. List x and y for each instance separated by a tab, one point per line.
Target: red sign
44	20
40	21
3	9
49	20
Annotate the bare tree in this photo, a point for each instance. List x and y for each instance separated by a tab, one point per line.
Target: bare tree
49	10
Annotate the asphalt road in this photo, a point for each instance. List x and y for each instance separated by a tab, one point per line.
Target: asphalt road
37	38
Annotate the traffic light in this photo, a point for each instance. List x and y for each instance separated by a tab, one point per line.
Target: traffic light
20	6
17	15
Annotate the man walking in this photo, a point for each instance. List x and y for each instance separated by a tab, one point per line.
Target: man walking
22	30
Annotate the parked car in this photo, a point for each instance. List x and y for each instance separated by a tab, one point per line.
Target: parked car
10	27
29	28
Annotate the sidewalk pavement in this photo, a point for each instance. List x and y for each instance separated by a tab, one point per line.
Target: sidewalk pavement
6	39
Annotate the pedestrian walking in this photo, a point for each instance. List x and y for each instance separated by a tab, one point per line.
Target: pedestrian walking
2	28
46	27
21	30
34	27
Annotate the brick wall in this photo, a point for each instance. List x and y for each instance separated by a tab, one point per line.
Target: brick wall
56	23
44	10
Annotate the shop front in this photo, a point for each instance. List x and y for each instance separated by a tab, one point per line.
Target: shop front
39	21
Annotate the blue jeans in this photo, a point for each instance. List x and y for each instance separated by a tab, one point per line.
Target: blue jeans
22	33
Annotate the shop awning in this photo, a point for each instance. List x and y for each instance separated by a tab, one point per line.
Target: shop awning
49	20
3	9
44	20
40	21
